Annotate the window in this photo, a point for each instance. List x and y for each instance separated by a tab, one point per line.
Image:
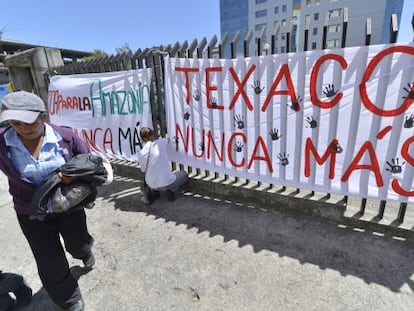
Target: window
313	45
276	10
260	1
284	8
308	2
315	31
282	49
317	2
335	13
261	13
334	28
283	35
283	23
259	27
316	16
332	43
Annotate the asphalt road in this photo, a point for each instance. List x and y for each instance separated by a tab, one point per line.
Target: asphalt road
201	253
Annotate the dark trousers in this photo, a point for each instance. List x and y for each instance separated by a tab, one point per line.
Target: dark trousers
53	268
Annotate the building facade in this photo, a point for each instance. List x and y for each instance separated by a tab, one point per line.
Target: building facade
280	18
234	18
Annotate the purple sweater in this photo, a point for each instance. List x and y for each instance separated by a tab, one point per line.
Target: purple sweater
20	188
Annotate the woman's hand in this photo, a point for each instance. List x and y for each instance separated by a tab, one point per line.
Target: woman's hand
66	179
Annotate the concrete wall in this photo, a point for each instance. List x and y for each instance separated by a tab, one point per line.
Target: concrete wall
27	69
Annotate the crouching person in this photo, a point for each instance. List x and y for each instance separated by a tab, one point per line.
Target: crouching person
154	162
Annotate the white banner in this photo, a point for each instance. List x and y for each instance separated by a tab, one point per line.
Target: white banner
106	109
336	121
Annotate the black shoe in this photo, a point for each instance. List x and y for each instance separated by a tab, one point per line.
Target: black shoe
170	195
78	306
89	261
155	194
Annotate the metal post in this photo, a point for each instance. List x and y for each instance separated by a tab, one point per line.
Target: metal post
401	212
222	45
381	209
288	32
325	30
192	48
362	206
394	28
201	47
412	24
344	28
260	41
221	55
306	39
368	31
274	37
246	43
233	45
211	45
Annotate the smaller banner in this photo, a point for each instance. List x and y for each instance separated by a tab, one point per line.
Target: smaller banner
105	109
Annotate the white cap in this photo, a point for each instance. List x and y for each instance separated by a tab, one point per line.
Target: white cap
21	106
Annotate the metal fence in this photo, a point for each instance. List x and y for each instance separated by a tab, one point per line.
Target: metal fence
153	58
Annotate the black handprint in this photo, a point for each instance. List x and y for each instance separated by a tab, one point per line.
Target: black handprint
256	87
187	114
312	122
330	90
201	146
409	90
296	104
197	95
395	166
274	133
239	121
238	146
283	157
213	102
336	147
409	121
176	140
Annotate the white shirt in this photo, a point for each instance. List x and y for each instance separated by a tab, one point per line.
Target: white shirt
158	173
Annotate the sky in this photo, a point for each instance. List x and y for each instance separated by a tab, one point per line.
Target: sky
87	25
405	32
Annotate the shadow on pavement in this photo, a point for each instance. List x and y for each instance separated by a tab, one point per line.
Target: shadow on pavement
41	300
370	256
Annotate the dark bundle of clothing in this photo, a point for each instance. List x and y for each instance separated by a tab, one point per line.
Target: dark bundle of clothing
13	283
53	196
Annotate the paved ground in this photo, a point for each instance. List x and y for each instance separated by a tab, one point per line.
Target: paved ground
201	253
